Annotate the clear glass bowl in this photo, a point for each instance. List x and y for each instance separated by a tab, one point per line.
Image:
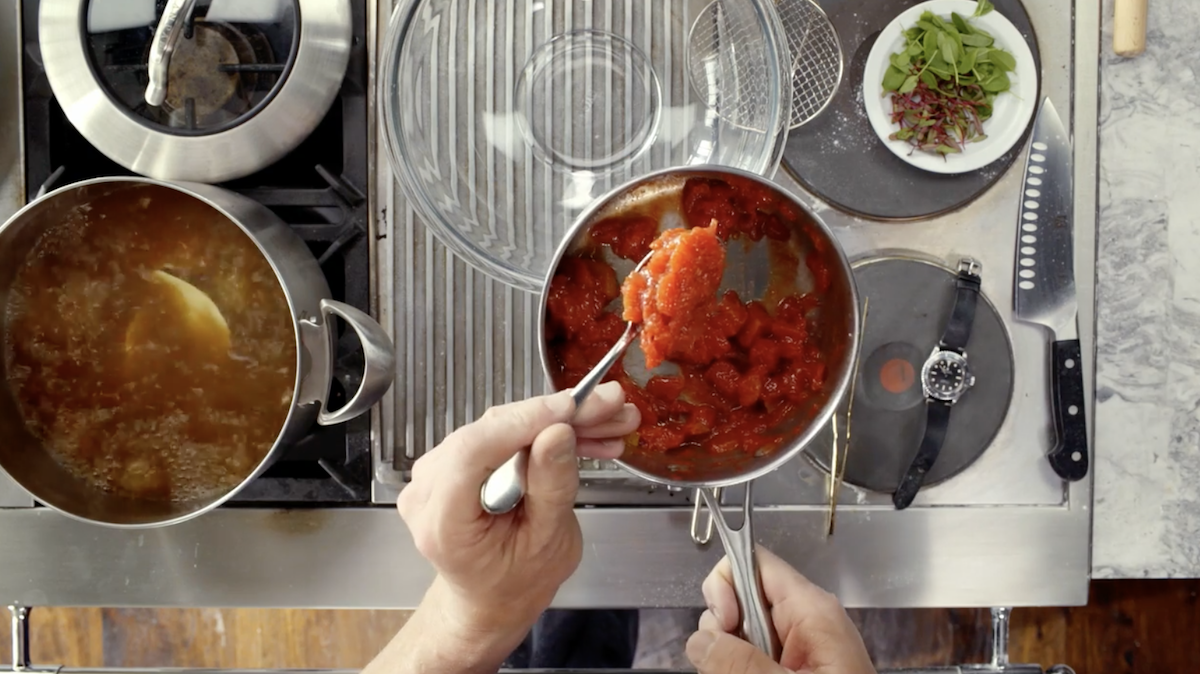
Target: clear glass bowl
505	119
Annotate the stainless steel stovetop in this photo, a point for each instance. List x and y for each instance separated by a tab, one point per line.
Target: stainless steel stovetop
466	342
1004	532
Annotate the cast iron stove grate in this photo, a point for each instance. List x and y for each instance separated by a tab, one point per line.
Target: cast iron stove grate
318	189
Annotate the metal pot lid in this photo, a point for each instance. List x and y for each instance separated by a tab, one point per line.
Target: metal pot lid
239	83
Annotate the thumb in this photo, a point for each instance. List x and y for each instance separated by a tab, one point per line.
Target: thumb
553	479
720	653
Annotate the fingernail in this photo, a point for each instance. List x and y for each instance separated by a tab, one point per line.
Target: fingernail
560	404
628	413
716	614
612	448
565	450
609	391
698	646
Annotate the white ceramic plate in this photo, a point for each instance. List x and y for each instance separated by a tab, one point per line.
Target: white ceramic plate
1010	114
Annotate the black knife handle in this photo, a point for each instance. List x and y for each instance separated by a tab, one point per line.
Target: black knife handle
937	420
1069	458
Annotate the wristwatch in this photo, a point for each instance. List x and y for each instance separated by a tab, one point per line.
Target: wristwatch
945	378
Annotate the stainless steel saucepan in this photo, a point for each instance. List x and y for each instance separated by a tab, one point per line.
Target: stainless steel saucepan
746	272
309	301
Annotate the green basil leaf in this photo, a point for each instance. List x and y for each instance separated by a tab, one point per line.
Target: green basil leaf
960	23
900	60
967	63
929	78
893	79
947	46
931	46
1004	59
977	40
937	21
915	49
910	83
927	26
997	84
983	7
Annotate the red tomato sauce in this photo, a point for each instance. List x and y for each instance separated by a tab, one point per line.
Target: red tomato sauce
628	236
745	368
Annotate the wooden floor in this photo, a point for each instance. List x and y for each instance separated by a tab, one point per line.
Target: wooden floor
1129	626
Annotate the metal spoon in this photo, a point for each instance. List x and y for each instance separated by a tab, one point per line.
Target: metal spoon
505	487
193	316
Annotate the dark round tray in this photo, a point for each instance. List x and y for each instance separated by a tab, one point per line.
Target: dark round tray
910	303
838	157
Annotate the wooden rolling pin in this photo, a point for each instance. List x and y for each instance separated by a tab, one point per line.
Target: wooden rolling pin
1129	27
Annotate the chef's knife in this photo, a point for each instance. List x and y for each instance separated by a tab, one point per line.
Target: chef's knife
1044	291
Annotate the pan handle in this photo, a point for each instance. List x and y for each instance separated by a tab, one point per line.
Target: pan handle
747	582
378	353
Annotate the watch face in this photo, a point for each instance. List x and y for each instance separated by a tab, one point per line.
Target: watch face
946	376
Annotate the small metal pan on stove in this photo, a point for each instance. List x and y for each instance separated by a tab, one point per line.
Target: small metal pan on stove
761	269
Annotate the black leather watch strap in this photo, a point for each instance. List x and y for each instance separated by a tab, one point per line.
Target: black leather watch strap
937	420
958	328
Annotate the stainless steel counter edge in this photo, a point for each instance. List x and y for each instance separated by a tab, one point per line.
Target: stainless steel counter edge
1085	114
364	558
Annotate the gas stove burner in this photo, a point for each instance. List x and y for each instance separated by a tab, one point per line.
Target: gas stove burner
911	301
837	155
220	73
206	85
236	84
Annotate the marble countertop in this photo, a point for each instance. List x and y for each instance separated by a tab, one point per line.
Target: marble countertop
1147	474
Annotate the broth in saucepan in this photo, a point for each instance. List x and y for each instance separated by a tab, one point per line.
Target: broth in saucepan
150	346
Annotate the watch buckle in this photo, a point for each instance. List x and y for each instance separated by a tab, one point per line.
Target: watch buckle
969	265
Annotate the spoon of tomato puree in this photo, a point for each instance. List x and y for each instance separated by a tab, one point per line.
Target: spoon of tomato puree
673	296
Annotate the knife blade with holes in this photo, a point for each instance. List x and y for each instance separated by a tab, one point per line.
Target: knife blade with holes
1044	292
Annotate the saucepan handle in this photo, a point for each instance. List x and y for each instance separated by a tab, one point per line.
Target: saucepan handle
747	583
378	353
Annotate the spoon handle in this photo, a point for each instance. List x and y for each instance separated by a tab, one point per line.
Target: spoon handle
505	487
